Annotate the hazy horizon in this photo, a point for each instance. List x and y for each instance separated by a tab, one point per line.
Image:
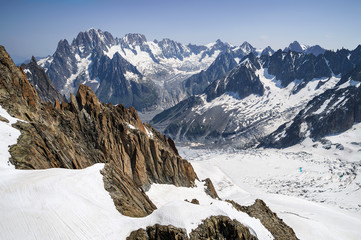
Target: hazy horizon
35	27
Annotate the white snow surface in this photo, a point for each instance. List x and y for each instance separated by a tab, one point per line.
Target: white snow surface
8	136
73	204
275	107
82	70
316	191
168	68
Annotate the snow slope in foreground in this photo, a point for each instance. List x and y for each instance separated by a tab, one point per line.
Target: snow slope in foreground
73	204
317	191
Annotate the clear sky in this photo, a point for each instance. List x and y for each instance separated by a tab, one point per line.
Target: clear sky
34	27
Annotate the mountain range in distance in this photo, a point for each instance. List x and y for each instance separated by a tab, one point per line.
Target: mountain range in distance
214	93
145	74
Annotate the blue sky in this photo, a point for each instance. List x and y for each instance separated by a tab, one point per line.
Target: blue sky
34	27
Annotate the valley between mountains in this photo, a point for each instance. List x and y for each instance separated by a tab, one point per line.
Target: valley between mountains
126	138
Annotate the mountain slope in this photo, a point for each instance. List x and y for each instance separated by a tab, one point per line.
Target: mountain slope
241	114
164	67
198	82
41	82
333	112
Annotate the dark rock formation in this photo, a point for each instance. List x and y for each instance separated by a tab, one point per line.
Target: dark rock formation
210	190
267	51
213	228
85	131
41	82
290	66
198	82
221	227
296	47
63	65
15	89
242	81
115	87
159	232
269	219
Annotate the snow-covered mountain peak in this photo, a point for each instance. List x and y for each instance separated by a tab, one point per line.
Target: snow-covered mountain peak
134	39
295	46
247	48
267	51
93	37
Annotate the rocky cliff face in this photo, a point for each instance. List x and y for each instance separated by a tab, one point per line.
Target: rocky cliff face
200	81
121	82
41	82
85	131
242	81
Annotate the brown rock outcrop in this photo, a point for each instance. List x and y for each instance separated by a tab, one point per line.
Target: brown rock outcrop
159	232
210	190
221	228
279	229
15	90
85	131
212	228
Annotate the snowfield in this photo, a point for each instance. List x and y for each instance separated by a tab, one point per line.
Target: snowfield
315	187
73	204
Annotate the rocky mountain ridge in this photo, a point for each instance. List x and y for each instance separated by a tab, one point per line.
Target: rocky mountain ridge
41	82
85	131
243	113
301	48
157	67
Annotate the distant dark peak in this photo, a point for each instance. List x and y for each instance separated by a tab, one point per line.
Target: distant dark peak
63	42
245	43
196	48
247	48
252	59
267	51
62	45
93	31
166	40
135	39
33	60
295	46
357	49
219	45
117	55
155	41
315	50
